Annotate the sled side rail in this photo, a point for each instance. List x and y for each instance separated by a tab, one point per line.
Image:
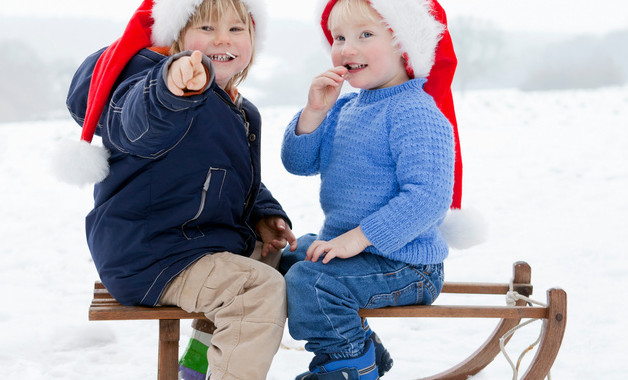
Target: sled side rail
105	307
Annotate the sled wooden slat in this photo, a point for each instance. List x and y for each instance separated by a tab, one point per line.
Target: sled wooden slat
104	307
437	311
111	312
484	288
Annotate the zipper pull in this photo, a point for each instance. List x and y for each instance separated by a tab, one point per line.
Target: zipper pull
207	181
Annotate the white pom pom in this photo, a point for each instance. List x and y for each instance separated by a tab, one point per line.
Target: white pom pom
80	163
463	229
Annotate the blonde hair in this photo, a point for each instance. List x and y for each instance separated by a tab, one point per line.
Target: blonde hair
345	9
215	10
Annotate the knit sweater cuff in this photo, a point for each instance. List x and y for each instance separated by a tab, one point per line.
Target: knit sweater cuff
299	153
380	235
386	243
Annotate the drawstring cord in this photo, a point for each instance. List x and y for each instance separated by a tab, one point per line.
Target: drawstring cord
511	300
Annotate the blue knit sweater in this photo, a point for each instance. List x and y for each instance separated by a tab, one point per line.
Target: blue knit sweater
386	161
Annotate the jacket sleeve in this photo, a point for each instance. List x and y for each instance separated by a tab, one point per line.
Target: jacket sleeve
266	205
79	88
144	118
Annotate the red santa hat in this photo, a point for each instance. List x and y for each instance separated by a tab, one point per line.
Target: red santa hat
420	29
171	16
154	23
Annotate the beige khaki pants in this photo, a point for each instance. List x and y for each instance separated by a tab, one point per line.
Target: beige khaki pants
246	300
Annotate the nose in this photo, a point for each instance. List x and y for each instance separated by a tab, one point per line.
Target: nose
348	49
222	37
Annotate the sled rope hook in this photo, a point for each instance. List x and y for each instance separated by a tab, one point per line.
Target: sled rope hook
511	298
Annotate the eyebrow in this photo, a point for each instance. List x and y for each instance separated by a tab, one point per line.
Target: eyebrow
367	24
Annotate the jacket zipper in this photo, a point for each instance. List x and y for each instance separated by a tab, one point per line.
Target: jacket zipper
238	104
202	203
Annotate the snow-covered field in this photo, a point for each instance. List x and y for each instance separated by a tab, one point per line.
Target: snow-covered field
548	170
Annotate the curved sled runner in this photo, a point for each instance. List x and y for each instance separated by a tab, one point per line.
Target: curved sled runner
554	317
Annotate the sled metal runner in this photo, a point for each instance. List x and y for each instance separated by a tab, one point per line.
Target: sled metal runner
553	316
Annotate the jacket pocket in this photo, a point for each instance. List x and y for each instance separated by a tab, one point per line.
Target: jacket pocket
212	188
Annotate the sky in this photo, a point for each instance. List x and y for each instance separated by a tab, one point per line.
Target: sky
570	16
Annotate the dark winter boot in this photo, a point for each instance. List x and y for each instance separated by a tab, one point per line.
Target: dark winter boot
382	356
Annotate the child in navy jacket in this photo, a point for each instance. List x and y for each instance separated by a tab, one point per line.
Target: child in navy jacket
179	205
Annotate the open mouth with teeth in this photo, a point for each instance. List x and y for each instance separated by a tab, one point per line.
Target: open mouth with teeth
355	66
222	57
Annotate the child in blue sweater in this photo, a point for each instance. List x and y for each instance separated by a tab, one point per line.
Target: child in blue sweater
386	157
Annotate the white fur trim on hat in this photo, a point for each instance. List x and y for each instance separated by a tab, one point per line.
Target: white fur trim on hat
257	9
80	163
464	228
171	16
414	28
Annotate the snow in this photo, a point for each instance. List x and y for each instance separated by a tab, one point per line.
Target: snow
548	171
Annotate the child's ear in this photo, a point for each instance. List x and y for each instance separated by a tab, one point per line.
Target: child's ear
401	52
397	46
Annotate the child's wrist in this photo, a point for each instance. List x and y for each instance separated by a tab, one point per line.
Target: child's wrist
362	239
309	120
315	111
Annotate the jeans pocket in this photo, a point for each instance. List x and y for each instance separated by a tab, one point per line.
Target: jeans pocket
432	278
409	295
414	284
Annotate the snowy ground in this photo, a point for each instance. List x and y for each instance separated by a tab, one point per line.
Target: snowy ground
548	170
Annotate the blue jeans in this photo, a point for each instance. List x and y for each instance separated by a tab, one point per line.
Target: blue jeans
323	299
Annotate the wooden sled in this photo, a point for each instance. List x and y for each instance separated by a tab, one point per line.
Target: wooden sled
554	316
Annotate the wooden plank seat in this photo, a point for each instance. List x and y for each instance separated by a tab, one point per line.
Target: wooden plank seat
554	317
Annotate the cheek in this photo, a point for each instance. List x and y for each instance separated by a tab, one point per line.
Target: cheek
192	44
245	51
245	48
336	57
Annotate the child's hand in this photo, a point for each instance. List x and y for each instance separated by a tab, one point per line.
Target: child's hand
347	245
324	92
275	233
187	74
325	89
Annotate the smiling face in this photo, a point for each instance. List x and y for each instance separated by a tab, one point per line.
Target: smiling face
365	46
224	31
225	40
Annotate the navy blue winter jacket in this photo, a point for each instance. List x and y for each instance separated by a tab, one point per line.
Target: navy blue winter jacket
184	178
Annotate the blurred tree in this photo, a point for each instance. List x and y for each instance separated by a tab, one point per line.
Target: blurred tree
580	62
479	45
32	88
